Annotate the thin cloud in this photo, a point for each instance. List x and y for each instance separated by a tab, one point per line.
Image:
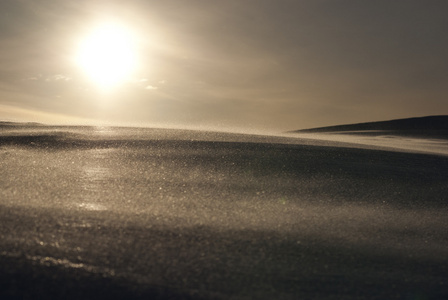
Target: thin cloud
58	77
49	78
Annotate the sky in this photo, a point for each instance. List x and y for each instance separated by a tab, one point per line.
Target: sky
273	65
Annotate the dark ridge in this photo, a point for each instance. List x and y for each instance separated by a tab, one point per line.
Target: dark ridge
416	125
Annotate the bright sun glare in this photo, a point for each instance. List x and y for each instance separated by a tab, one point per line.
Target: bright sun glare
107	55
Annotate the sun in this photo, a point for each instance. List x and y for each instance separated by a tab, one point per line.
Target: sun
108	55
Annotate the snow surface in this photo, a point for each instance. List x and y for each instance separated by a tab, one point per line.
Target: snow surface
378	141
137	213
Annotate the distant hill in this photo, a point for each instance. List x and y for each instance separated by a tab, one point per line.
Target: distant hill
428	126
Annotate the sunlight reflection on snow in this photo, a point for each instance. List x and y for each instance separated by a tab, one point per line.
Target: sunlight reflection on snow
92	206
93	178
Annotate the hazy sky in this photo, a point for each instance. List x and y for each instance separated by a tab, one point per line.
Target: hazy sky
277	64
